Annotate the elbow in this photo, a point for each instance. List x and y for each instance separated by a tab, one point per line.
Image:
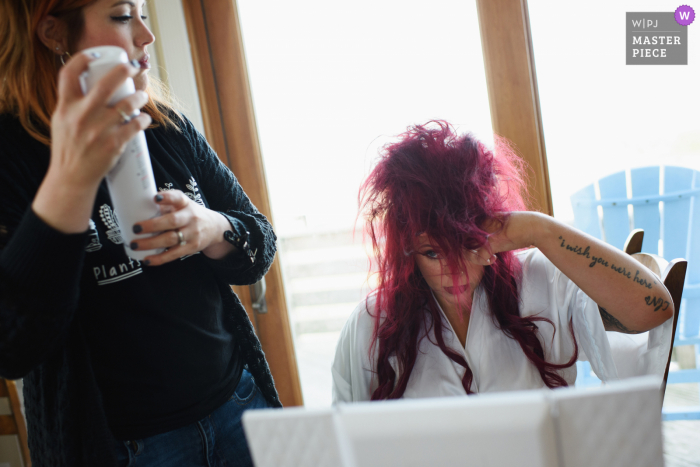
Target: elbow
661	315
660	307
251	276
14	369
22	358
669	312
19	356
13	374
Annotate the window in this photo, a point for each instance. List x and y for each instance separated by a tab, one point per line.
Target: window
601	116
331	83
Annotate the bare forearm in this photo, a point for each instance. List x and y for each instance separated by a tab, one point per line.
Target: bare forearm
631	297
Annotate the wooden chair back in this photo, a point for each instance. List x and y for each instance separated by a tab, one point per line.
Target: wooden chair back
672	274
674	279
665	203
14	424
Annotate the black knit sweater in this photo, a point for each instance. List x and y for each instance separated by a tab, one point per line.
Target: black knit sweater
42	333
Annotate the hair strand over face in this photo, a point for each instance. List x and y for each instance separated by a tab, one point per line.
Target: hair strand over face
435	182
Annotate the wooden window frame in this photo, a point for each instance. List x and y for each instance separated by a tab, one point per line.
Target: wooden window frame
229	125
509	63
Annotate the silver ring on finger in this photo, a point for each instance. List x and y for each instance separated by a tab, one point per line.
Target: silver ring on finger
125	118
181	238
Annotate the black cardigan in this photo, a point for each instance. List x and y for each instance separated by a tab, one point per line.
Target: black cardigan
41	338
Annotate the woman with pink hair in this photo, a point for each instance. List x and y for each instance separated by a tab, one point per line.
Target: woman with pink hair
475	294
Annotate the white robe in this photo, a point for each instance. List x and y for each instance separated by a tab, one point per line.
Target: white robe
497	361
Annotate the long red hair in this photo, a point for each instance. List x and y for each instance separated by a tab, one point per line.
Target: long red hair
29	69
447	186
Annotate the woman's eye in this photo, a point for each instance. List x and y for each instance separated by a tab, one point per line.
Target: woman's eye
431	254
122	19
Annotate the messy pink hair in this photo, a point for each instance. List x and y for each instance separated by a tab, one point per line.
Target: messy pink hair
447	186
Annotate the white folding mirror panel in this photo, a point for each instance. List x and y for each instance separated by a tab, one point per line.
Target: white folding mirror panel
618	425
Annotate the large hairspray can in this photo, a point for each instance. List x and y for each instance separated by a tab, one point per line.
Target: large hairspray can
131	184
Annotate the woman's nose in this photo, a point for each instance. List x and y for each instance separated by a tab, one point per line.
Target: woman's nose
144	36
446	271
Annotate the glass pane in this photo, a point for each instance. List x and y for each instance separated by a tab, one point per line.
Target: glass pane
603	117
332	82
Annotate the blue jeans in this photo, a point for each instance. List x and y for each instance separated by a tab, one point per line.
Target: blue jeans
215	441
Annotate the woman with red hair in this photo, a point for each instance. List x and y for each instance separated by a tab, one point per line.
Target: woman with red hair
476	294
124	362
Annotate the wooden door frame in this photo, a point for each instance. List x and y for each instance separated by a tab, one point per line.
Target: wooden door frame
509	62
227	110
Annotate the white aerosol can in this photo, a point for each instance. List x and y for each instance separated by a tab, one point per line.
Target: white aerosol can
131	184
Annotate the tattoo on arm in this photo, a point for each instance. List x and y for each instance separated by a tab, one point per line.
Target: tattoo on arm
613	324
586	253
657	303
609	321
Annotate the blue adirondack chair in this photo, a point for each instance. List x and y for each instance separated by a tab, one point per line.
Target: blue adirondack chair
671	223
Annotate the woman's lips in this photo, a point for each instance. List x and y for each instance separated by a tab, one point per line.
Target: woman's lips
144	63
460	289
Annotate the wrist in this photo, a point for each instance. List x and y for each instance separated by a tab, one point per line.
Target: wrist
539	229
218	247
72	176
222	225
65	206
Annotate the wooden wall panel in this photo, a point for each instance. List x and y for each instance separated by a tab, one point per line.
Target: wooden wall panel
512	85
229	122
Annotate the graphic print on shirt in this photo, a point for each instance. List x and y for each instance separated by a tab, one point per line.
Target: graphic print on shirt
197	198
109	218
94	244
110	274
194	194
113	268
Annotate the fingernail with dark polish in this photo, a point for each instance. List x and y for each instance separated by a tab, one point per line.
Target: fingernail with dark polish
134	246
137	228
146	262
159	198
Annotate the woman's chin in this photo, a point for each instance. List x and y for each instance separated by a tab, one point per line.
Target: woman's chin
141	81
455	291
